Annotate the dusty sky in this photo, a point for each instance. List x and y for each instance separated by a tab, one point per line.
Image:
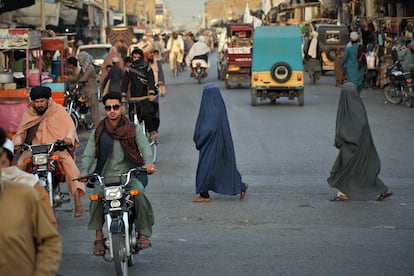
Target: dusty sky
183	11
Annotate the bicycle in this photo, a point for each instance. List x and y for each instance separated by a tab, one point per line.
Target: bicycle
176	66
138	120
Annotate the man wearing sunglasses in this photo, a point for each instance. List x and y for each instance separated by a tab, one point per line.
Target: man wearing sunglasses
118	146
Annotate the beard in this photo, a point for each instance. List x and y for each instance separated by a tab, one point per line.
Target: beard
40	110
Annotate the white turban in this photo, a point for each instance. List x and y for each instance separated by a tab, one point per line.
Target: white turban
354	36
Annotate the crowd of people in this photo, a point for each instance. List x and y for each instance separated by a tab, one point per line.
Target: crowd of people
378	43
131	79
115	145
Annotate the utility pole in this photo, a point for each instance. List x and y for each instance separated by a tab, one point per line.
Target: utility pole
42	15
124	13
105	21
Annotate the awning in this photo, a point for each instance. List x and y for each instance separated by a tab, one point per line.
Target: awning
11	5
68	15
31	15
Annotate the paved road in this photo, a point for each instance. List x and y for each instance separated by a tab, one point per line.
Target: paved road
286	225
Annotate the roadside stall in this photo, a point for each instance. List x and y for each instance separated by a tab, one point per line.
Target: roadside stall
55	80
20	69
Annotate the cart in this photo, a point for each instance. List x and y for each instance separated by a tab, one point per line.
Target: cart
13	100
56	43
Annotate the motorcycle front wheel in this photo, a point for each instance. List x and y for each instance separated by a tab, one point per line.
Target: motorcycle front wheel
392	95
120	254
89	124
75	120
49	188
153	145
410	102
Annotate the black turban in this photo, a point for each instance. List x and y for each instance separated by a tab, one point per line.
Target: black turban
39	92
137	51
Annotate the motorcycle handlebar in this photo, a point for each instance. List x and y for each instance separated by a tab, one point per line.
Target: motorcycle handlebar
92	178
51	146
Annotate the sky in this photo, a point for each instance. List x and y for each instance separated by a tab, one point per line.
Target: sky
183	11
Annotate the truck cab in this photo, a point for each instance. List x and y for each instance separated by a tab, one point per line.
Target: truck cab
235	57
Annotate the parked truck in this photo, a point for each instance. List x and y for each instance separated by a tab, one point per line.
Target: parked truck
235	57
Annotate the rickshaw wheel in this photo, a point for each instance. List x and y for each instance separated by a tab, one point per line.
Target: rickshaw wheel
227	84
253	97
301	98
331	54
281	72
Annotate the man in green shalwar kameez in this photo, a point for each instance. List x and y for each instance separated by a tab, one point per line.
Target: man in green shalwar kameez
116	144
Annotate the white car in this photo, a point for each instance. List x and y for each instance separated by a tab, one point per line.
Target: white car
97	51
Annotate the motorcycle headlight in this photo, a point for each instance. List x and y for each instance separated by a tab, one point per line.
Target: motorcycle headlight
82	99
112	193
40	159
115	203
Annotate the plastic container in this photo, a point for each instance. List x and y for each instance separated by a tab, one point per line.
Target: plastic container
34	77
11	112
56	69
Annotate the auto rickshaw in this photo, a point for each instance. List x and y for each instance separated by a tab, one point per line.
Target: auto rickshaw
332	38
277	67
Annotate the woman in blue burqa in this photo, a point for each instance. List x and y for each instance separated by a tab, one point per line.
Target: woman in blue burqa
355	171
216	170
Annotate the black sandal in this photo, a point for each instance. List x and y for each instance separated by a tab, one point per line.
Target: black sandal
384	195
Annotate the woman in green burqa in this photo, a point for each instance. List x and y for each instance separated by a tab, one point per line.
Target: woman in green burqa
355	171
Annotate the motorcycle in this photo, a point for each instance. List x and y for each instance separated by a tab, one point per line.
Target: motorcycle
400	86
45	167
76	104
199	67
119	216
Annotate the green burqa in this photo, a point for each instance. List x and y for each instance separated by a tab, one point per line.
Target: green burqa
355	171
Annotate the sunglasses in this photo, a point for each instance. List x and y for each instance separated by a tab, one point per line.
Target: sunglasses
115	107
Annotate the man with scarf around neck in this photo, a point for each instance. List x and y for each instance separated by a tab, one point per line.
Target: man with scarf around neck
117	145
139	87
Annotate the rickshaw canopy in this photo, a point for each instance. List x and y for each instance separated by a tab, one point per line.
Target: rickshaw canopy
277	44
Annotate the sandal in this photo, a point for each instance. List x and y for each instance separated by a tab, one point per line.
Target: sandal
79	210
143	242
99	248
201	199
340	198
244	190
384	195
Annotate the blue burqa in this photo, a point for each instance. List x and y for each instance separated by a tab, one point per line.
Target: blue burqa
216	170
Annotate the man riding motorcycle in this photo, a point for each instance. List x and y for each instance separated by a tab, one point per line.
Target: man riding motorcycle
117	146
44	122
199	50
